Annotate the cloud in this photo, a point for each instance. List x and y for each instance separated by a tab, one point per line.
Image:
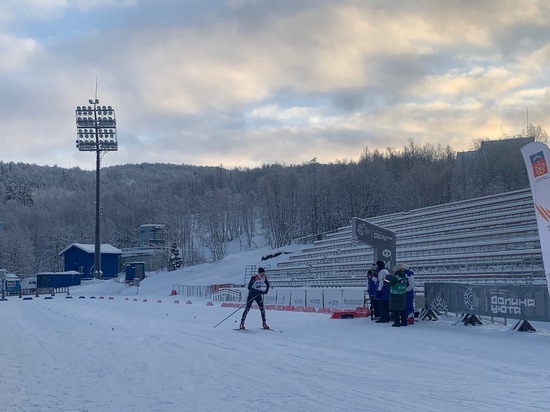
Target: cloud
15	52
246	82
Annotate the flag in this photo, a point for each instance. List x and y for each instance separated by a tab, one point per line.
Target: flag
537	156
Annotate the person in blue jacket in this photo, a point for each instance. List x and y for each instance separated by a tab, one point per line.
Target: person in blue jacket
383	292
255	293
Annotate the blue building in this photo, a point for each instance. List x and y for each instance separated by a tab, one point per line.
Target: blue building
134	270
80	257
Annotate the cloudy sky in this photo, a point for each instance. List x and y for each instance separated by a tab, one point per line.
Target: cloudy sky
249	82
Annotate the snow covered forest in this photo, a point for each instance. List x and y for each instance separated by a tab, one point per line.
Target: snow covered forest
44	209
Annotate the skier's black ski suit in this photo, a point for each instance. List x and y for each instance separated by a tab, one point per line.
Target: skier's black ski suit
255	293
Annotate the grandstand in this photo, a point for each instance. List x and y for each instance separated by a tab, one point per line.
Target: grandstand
492	239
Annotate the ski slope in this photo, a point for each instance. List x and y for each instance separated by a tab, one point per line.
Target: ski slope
122	353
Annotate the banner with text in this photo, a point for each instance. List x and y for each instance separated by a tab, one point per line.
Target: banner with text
298	297
536	156
514	302
383	241
315	298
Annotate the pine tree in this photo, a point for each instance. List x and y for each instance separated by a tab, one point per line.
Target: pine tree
176	261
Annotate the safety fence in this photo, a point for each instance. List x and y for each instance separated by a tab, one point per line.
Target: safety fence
337	298
194	291
333	298
34	292
221	292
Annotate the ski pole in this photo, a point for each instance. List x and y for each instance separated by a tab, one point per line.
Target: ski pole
239	308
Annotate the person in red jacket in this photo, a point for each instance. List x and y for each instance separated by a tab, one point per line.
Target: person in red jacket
256	293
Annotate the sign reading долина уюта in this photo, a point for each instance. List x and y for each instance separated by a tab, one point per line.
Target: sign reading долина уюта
514	302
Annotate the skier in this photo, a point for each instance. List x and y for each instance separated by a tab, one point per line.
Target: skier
255	293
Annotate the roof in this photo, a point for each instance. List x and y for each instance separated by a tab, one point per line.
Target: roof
105	248
68	272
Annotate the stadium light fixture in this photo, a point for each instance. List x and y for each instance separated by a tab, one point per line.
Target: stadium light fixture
96	132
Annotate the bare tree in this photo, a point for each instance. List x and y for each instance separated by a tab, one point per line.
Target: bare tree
279	197
213	220
47	208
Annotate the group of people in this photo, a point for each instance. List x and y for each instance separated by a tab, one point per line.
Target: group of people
391	294
388	293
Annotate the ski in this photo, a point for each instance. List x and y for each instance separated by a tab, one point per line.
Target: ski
256	330
244	330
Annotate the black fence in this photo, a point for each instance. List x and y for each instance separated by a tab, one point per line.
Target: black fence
36	292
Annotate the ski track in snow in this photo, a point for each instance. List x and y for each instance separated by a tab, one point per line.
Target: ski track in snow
115	355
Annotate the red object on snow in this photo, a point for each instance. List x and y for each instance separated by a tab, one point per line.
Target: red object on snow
359	312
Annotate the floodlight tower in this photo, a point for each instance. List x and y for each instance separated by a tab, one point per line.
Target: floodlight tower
96	132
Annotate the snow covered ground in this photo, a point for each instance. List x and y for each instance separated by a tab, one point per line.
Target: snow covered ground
114	354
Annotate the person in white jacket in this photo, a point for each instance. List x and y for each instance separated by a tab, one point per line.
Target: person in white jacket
383	292
410	295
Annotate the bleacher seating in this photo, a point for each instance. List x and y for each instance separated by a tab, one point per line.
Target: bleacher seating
488	239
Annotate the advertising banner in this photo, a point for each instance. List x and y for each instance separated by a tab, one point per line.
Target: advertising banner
513	302
270	298
298	297
353	298
343	298
334	298
315	298
536	156
283	296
